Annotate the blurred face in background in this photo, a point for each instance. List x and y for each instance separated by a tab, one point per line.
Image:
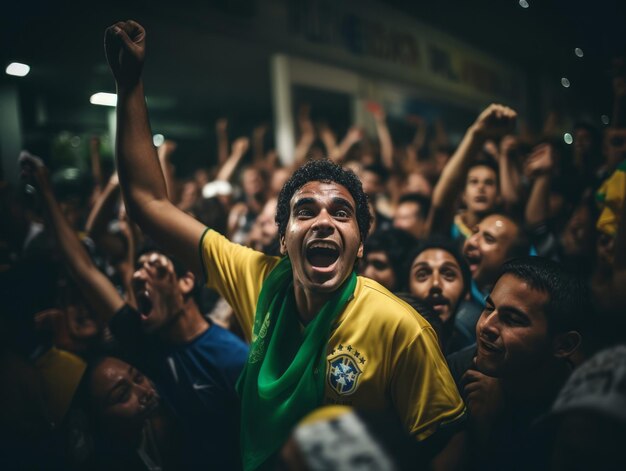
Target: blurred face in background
488	247
481	190
253	183
408	217
122	396
418	183
376	265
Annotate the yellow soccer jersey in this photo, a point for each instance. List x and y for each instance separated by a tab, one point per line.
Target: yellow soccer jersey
381	354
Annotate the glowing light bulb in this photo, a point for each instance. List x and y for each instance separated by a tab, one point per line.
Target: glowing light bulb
17	69
103	99
567	137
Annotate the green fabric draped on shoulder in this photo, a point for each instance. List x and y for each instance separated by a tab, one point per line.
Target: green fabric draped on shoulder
283	379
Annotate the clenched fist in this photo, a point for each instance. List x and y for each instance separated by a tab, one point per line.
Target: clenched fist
495	121
125	48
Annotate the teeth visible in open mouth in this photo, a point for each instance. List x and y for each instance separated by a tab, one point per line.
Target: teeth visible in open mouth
144	305
322	255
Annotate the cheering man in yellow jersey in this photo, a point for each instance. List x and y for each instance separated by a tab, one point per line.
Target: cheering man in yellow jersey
319	333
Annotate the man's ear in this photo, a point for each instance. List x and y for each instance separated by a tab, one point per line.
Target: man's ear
359	253
565	345
187	283
283	245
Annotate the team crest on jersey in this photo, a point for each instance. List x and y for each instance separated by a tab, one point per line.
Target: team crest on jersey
344	372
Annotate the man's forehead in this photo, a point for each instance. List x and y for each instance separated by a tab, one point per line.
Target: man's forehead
511	289
498	225
436	255
316	188
146	256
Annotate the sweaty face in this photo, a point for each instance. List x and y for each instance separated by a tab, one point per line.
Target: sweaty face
481	190
123	396
512	331
407	218
322	236
488	247
436	279
376	266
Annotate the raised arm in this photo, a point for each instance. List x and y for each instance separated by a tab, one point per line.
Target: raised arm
96	287
509	172
307	135
102	209
494	121
96	167
140	174
239	149
538	167
384	136
221	132
354	135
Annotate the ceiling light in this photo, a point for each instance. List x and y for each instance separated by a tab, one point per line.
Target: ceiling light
104	99
567	137
565	82
158	140
579	52
17	69
524	4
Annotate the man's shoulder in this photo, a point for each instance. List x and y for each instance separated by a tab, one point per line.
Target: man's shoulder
218	342
373	299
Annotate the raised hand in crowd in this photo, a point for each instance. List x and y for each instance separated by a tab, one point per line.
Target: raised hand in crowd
384	136
537	168
494	122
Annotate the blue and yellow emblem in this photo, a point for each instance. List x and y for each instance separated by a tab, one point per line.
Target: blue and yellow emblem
343	374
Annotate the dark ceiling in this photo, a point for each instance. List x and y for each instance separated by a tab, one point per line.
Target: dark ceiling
193	78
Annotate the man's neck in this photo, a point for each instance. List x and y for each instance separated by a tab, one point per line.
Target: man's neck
309	304
186	326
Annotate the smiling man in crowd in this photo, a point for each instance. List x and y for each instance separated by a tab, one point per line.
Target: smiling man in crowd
528	341
319	333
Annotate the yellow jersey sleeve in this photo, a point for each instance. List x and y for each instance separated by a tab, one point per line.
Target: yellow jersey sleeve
236	273
422	387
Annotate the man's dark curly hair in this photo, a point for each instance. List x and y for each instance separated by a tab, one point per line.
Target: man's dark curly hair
324	171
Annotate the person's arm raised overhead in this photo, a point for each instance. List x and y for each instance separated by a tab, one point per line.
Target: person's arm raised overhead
95	286
510	185
384	136
239	149
538	168
138	166
494	121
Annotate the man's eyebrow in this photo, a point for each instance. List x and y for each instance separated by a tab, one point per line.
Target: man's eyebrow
338	200
303	201
451	265
514	310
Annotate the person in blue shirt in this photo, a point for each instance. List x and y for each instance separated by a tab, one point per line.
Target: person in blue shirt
193	363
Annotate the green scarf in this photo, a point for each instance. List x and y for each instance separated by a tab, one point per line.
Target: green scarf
283	379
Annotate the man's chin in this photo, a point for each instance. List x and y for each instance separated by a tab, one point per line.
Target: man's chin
487	367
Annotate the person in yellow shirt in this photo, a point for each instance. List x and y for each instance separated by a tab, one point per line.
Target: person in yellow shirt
319	333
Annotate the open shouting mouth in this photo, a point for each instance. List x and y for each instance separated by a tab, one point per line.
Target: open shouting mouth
322	255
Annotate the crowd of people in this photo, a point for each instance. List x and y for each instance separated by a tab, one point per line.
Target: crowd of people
374	305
